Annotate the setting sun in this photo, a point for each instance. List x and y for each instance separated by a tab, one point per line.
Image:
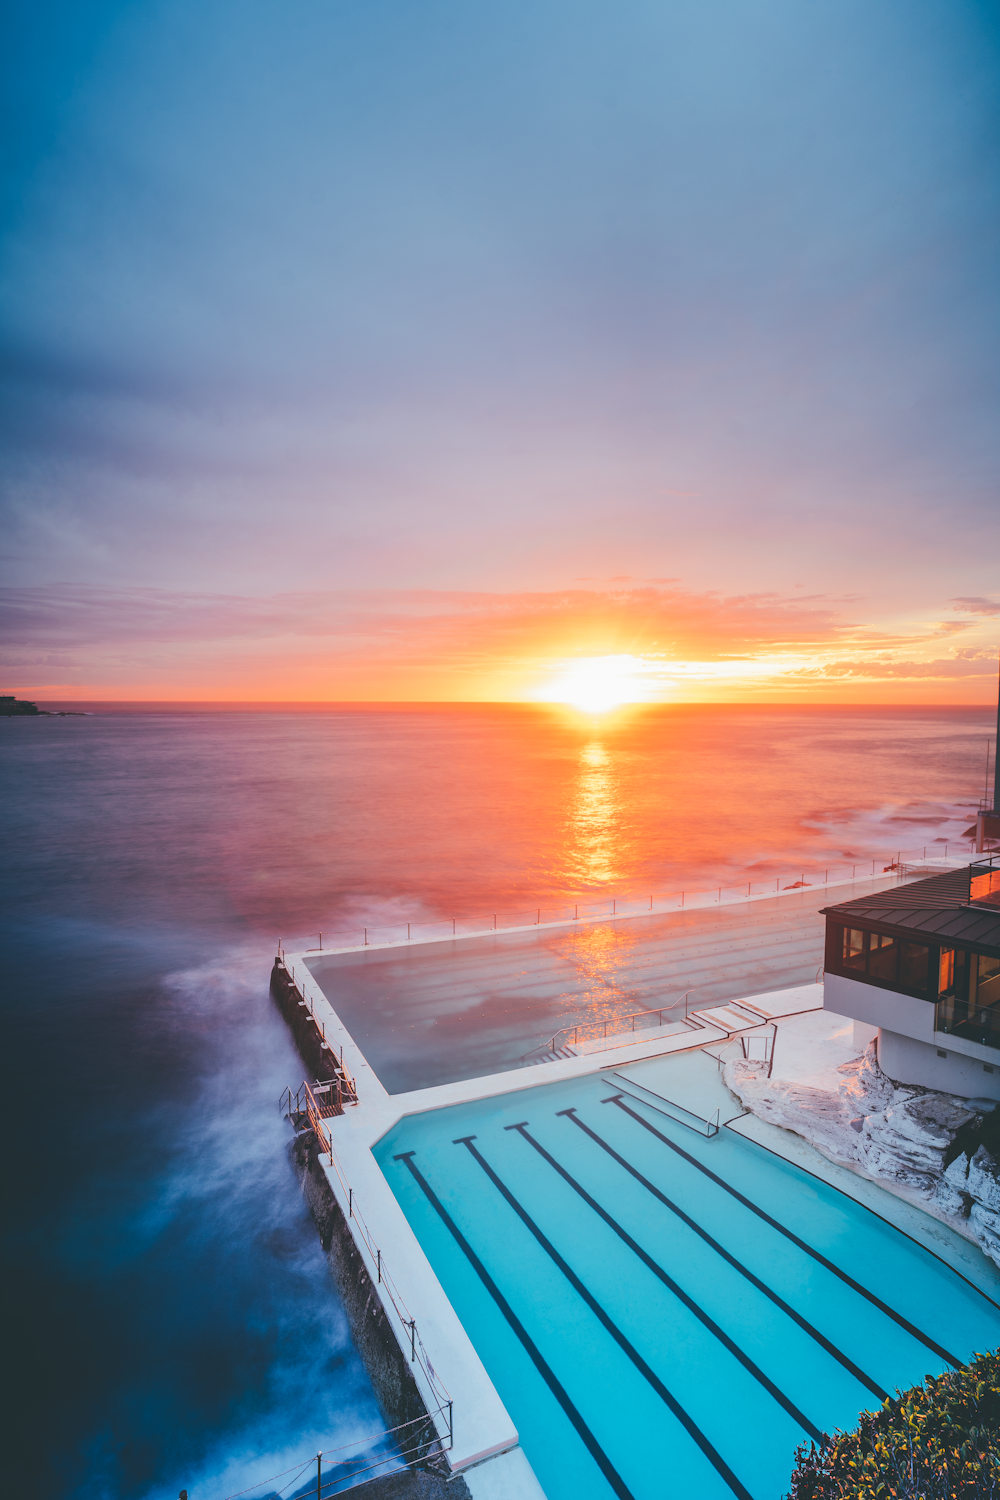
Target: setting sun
600	683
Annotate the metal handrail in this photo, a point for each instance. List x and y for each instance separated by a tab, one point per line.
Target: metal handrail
608	905
345	1077
365	1238
414	1451
616	1021
708	1128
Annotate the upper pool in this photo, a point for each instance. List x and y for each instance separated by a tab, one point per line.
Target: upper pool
663	1313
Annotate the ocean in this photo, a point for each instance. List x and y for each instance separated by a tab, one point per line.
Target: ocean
174	1325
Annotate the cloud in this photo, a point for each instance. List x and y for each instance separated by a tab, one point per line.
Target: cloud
976	606
941	669
678	622
452	643
375	302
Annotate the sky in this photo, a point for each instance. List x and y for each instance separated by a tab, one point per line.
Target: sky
438	350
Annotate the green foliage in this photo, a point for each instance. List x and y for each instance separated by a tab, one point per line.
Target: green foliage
937	1441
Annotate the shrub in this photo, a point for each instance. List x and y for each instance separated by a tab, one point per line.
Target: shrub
937	1441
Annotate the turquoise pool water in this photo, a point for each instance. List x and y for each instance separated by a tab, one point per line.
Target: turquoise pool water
664	1314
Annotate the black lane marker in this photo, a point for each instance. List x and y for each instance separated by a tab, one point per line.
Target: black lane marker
774	1223
761	1286
668	1281
715	1458
532	1350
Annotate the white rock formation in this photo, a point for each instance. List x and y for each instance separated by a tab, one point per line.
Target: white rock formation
898	1137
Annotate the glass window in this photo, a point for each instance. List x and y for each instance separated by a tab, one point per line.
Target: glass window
987	981
986	887
881	957
854	949
913	965
977	1016
953	968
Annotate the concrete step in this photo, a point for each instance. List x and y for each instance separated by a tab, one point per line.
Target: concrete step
554	1056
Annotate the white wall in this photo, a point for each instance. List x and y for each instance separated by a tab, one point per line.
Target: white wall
863	1034
908	1044
907	1061
864	1002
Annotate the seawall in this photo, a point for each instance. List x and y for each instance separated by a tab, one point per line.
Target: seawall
318	1056
386	1363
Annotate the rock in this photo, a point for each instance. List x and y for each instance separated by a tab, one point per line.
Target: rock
907	1141
865	1087
950	1203
986	1224
980	1178
818	1114
900	1137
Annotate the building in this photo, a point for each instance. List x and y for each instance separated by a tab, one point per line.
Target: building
921	962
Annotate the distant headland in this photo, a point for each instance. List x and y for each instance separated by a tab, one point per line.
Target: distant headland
12	708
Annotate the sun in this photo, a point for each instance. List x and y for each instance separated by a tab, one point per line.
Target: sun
598	684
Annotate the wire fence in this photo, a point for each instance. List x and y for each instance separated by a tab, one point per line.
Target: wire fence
355	1463
595	908
440	1399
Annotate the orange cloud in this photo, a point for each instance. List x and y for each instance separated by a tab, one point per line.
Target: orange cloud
425	644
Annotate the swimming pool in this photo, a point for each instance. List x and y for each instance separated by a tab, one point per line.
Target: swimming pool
661	1313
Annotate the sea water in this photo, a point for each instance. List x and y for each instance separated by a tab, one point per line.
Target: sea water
174	1323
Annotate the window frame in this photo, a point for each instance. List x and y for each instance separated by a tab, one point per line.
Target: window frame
838	927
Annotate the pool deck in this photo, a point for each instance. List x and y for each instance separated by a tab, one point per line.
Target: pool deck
485	1440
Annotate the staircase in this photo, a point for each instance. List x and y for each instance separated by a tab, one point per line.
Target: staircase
552	1054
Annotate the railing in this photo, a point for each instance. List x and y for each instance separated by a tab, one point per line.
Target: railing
679	1113
747	1049
348	1089
365	1240
758	1046
430	929
317	1102
327	1100
412	1442
599	1029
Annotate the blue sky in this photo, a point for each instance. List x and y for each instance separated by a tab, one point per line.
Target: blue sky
658	306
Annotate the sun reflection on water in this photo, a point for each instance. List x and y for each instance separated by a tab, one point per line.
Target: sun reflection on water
595	817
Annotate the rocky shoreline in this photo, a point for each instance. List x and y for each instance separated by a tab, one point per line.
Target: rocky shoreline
937	1151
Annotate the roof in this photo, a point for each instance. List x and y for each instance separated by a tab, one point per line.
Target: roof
936	908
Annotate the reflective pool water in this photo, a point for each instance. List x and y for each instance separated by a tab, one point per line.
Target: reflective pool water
660	1312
